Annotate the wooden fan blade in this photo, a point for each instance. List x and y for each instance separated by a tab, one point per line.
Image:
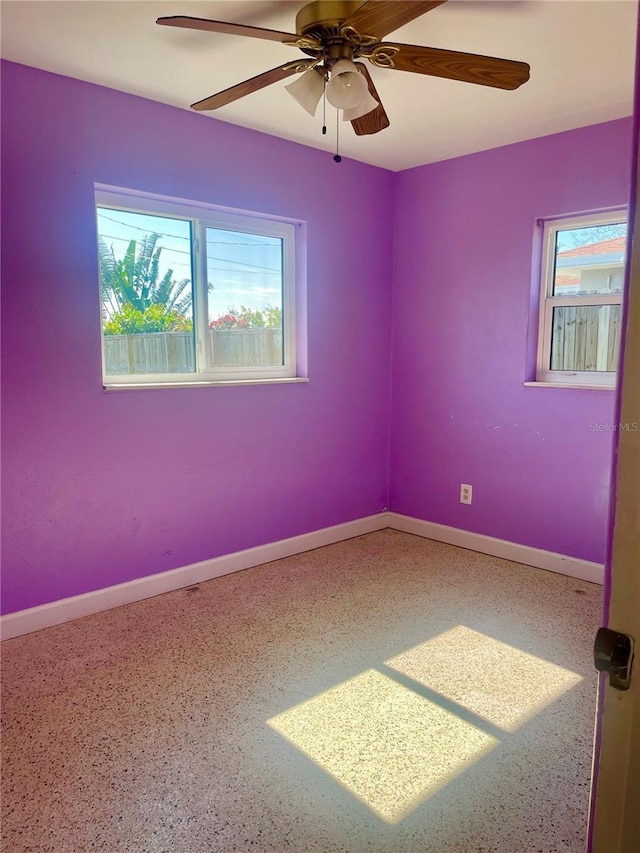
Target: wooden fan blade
379	17
251	85
455	65
223	27
377	119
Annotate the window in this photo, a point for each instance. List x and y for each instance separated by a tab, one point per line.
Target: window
582	279
193	294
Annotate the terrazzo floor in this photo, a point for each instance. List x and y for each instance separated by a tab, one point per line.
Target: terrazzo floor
387	693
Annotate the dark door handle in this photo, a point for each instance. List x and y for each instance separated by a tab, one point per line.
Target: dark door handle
613	653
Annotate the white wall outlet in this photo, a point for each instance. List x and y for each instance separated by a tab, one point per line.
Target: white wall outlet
466	493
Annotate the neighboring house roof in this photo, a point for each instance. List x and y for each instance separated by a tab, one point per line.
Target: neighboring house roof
606	254
614	246
571	263
563	280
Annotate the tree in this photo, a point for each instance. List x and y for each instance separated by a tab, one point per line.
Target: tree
248	318
135	279
155	318
587	236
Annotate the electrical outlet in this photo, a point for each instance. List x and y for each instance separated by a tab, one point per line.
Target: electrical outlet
466	493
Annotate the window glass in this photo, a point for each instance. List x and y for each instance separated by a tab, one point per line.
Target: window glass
590	260
146	289
245	299
191	293
582	279
585	338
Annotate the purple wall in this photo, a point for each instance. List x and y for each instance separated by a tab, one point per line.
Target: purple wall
462	290
101	487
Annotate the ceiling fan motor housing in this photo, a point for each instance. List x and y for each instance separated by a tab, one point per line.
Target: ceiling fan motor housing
324	18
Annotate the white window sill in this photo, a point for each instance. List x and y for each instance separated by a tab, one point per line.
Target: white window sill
574	385
137	386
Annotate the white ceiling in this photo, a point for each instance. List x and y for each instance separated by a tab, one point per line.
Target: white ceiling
581	54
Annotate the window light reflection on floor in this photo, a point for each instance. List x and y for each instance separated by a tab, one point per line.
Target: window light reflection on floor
390	747
494	680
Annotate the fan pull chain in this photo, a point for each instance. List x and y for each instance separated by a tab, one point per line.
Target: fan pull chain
337	158
324	107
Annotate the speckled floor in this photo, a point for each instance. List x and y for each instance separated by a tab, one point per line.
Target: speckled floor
383	694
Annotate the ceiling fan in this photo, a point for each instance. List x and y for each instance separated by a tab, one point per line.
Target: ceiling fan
335	33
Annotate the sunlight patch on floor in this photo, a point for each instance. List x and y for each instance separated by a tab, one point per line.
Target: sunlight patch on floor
388	746
494	680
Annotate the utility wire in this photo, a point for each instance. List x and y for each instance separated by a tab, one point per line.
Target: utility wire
179	237
261	270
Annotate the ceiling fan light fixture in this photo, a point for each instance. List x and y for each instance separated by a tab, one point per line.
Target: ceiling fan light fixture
366	105
307	90
347	88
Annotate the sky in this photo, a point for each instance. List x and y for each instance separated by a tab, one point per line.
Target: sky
242	268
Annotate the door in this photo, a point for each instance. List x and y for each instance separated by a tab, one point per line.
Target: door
615	808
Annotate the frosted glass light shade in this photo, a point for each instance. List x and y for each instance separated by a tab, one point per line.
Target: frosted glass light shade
347	87
366	105
307	90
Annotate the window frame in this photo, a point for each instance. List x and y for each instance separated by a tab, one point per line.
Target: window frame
200	217
598	379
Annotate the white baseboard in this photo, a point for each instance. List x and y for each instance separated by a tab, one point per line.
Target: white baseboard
549	560
66	609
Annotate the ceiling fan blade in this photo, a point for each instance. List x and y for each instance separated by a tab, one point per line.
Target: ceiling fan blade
379	17
377	119
252	85
223	27
455	65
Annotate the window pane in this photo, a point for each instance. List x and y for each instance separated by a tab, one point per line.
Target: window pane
146	293
589	260
245	286
585	337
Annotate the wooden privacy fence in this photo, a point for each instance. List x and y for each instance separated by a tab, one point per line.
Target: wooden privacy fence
173	352
246	347
586	337
152	352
